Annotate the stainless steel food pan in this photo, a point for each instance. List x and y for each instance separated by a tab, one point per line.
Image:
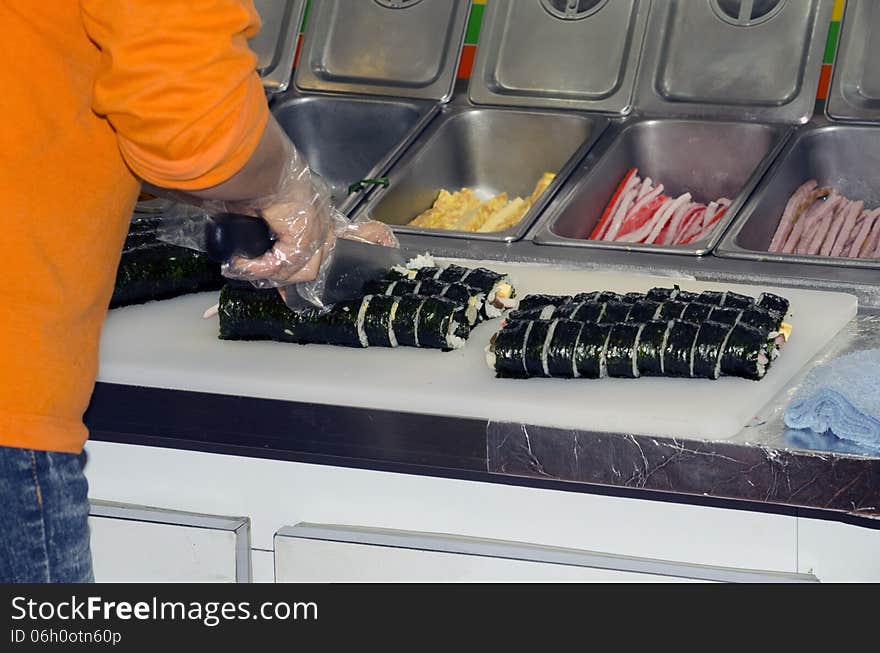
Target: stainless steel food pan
844	156
490	151
708	159
346	139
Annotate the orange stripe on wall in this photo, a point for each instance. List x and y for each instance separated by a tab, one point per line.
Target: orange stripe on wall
299	45
467	61
824	82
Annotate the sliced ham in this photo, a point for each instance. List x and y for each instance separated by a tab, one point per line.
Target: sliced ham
793	207
834	228
867	224
846	228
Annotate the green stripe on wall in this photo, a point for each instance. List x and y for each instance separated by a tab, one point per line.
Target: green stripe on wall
831	43
475	21
302	28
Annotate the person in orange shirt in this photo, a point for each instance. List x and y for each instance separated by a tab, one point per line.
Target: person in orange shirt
99	96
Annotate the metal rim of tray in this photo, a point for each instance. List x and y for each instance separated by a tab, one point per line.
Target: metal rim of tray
374	196
542	233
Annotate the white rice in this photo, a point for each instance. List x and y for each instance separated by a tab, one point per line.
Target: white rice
392	313
525	342
547	312
603	357
416	325
421	261
721	353
663	344
577	341
362	334
635	354
390	290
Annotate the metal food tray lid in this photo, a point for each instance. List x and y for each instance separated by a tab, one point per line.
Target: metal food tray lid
855	83
567	54
275	44
756	60
399	48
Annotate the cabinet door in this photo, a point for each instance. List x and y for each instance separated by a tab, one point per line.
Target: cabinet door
322	554
138	544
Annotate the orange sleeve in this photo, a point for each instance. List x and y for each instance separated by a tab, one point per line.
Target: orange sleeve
178	83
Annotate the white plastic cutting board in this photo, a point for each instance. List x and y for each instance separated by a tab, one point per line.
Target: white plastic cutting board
168	345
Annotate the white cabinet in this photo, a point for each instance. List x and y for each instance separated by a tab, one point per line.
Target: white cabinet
313	553
138	544
836	552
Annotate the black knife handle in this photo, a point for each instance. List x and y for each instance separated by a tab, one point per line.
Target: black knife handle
233	234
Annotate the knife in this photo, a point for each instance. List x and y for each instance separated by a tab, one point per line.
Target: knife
352	263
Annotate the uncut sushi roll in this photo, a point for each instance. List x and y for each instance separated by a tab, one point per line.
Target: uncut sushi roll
677	353
747	353
621	352
707	350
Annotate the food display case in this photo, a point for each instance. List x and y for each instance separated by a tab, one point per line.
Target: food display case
353	113
532	108
840	152
721	86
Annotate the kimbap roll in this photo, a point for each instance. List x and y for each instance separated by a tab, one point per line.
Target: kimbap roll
590	351
563	339
735	300
377	321
643	311
622	348
540	301
707	350
677	353
616	311
696	312
633	297
587	312
506	351
338	324
685	296
774	303
534	355
728	316
762	319
441	323
404	322
747	353
543	313
652	345
671	310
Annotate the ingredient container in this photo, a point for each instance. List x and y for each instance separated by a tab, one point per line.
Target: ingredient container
834	151
361	98
547	76
721	85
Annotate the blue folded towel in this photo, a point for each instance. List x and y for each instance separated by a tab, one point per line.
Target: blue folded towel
843	397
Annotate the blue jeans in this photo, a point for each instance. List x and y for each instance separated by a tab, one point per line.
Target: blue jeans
44	535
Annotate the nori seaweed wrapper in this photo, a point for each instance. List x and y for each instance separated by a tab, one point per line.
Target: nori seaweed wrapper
453	274
633	297
697	312
378	287
532	313
435	316
587	312
376	320
672	310
621	354
539	301
560	351
662	294
774	303
404	323
616	311
247	313
761	318
337	325
677	356
392	287
724	315
427	273
643	311
508	347
740	356
607	296
686	296
482	279
586	296
649	354
735	300
711	297
707	350
590	350
534	350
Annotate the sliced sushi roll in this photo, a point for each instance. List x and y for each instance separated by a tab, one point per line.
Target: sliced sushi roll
662	294
677	353
697	312
377	321
762	319
621	353
735	300
540	301
747	353
616	311
706	353
562	340
711	297
505	353
500	294
607	296
404	321
643	311
472	299
671	310
633	297
774	303
729	316
590	351
535	353
543	313
586	311
441	323
651	347
685	296
392	287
